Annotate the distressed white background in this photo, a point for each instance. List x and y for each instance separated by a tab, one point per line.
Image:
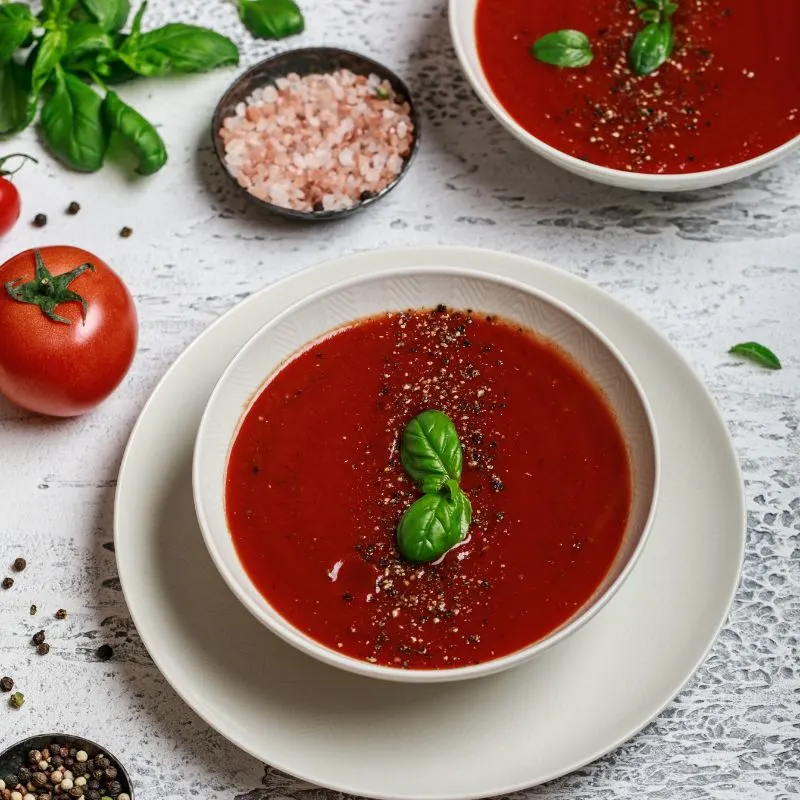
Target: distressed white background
708	269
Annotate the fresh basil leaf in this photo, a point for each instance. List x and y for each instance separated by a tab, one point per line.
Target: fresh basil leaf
651	47
177	48
139	135
72	123
50	9
86	39
430	450
17	101
565	48
110	15
650	15
669	9
16	25
434	524
758	353
271	19
50	51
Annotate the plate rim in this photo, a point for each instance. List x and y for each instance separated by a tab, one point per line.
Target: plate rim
320	272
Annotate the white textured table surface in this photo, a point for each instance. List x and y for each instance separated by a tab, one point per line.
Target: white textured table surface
707	269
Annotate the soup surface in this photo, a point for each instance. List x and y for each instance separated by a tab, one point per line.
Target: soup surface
730	91
315	489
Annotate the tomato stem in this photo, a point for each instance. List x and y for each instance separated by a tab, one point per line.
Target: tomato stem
49	291
5	172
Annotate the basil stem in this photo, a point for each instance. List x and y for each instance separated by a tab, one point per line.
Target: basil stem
430	450
565	48
758	353
434	524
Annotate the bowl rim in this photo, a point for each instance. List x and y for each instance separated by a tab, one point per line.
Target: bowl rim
666	181
73	736
306	644
217	119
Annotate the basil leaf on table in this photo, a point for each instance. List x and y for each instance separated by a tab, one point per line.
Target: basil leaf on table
17	101
177	48
758	353
271	19
86	39
16	25
652	47
110	15
434	524
430	450
565	48
139	135
50	51
72	123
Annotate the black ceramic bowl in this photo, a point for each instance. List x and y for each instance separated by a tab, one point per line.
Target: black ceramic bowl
308	61
17	755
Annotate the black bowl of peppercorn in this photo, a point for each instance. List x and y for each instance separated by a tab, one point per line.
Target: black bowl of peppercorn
57	766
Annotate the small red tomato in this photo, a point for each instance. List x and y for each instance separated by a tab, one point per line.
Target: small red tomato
68	330
9	205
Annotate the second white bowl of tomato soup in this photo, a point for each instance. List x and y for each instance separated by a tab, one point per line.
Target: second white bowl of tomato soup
426	475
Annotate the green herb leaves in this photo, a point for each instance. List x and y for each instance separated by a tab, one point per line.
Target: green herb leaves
565	48
74	45
651	47
271	19
430	451
653	44
758	353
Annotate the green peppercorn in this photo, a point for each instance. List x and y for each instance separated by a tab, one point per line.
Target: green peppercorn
17	700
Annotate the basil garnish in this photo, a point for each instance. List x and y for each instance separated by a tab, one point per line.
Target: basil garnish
565	48
16	25
758	353
653	44
430	450
434	524
137	133
271	19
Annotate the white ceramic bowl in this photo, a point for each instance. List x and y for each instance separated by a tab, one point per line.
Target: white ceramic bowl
462	31
394	291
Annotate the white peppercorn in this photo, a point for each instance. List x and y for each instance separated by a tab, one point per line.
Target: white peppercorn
81	755
66	784
56	776
80	781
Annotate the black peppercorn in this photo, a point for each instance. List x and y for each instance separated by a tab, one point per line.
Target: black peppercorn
79	769
40	220
6	684
38	638
366	196
57	761
92	794
105	652
113	788
318	206
73	208
111	773
126	232
43	649
20	564
61	613
101	762
24	775
7	583
11	780
33	611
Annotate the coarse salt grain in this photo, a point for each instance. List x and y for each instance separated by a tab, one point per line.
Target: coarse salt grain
337	137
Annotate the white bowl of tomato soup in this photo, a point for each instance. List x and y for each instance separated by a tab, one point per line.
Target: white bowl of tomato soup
306	491
722	106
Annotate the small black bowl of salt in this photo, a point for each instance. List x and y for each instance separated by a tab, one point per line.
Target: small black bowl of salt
317	133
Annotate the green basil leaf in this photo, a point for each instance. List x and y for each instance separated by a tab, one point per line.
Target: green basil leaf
651	47
271	19
110	15
650	15
669	9
177	48
16	25
434	524
139	135
49	54
136	26
430	450
565	48
50	9
72	123
17	101
86	39
758	353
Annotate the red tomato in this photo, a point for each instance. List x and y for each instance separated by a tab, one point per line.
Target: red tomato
9	205
52	360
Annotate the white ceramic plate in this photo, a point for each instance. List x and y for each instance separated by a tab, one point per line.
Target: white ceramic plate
445	741
396	290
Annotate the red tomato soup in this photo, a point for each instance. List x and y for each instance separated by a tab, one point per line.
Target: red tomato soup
315	489
729	92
